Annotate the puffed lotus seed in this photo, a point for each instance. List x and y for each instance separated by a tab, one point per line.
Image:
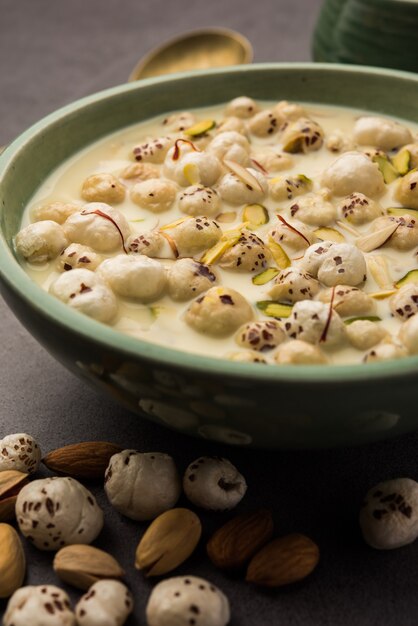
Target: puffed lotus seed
142	485
55	512
389	515
20	452
107	603
103	188
42	605
187	601
214	483
41	241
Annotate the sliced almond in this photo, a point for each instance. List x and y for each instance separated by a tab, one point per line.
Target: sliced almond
378	268
329	234
377	239
243	174
174	224
382	295
171	243
401	210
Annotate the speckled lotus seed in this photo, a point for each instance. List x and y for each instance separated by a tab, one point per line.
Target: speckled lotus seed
42	605
214	483
353	172
41	241
55	512
187	601
219	312
103	188
20	452
142	485
107	603
389	514
380	132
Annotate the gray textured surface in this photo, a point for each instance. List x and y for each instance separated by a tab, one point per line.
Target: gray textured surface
52	53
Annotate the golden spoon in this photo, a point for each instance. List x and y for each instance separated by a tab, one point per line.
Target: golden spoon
200	49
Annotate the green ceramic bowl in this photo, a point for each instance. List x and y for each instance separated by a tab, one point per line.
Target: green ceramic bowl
368	32
239	403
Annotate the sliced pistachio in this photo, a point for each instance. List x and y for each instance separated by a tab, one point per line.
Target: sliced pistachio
402	161
386	168
243	174
378	268
274	309
279	255
227	217
329	234
401	210
304	179
410	277
266	276
201	128
255	214
369	318
382	295
228	239
377	239
191	173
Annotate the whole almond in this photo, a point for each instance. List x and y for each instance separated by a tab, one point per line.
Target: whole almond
87	459
232	545
283	561
11	482
12	561
168	541
84	565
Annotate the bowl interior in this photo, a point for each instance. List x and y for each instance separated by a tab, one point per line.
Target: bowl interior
40	149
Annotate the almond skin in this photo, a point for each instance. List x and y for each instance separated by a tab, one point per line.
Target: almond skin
283	561
87	459
238	540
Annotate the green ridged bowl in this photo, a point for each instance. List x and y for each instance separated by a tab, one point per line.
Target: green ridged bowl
239	403
382	33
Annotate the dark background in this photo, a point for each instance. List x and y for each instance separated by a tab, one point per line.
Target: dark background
50	54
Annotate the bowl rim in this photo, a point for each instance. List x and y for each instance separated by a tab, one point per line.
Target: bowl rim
13	274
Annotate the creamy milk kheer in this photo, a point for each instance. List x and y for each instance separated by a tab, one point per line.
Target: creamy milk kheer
276	233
